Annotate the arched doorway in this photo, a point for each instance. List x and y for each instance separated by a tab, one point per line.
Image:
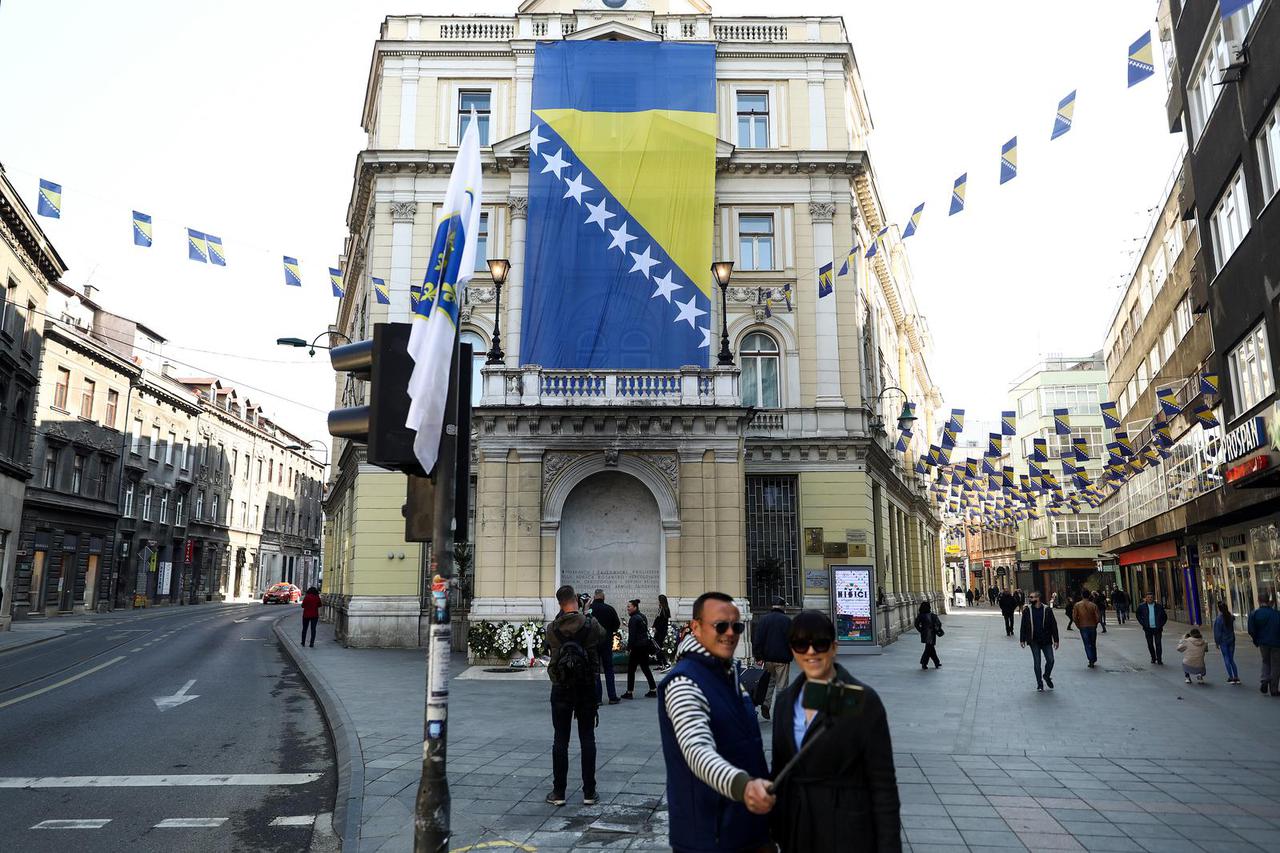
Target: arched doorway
611	537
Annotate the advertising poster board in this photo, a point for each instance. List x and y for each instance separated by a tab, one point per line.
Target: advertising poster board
853	594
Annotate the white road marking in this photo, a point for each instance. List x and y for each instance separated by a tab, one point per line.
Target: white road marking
253	638
265	618
245	619
177	780
295	820
189	822
90	823
164	703
136	649
63	682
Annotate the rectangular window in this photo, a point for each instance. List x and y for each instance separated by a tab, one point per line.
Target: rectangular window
170	448
773	549
105	469
155	443
755	241
256	514
77	473
61	383
128	500
189	457
259	470
1027	403
146	503
1250	366
178	510
200	505
482	244
244	514
1183	317
213	515
50	467
113	402
135	439
235	462
753	119
480	101
1229	222
164	507
1269	154
1169	341
86	399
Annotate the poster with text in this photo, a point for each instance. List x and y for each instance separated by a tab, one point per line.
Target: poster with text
854	592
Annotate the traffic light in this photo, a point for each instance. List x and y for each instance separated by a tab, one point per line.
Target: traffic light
384	362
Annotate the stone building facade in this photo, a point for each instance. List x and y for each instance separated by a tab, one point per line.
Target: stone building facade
754	478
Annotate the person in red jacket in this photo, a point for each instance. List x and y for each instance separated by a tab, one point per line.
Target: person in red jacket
310	614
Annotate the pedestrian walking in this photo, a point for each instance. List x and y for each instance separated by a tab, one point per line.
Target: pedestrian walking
1100	601
1069	608
1120	601
639	647
1040	631
661	625
1152	618
310	614
769	640
572	641
968	597
609	623
1224	636
1007	605
1086	616
1022	598
993	594
1193	648
849	775
717	785
930	628
1264	629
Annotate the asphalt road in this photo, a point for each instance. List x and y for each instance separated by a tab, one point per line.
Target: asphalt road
246	764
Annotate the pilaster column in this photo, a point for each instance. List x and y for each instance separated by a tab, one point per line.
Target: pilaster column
518	209
408	103
821	214
817	105
402	216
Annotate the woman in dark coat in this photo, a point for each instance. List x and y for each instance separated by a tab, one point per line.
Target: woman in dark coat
843	794
930	628
661	622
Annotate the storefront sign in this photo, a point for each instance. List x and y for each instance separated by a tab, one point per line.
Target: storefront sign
953	550
854	594
1246	438
1248	468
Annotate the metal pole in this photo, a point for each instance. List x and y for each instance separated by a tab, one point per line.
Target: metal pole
431	814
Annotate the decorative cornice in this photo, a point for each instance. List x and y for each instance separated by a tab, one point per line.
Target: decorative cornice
518	206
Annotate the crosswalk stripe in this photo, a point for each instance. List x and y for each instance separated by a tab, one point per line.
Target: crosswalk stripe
295	820
178	780
91	823
190	822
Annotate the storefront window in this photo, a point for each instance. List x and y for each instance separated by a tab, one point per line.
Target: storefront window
1241	583
1264	545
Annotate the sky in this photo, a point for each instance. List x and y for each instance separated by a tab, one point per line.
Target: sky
242	119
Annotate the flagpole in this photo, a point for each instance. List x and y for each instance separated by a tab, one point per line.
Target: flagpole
431	814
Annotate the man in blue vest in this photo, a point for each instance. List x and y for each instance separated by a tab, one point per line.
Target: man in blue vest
717	785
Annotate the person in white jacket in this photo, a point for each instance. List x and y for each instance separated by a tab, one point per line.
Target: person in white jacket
1193	648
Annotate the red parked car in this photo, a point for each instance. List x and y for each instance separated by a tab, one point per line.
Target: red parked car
282	593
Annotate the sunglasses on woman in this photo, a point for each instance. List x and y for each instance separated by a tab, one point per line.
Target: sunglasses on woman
820	646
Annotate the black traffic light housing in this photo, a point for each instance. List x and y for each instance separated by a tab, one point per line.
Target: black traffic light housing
384	362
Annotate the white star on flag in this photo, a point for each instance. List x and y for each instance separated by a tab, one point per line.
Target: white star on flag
689	312
666	286
643	262
620	238
706	338
576	188
535	139
554	163
598	214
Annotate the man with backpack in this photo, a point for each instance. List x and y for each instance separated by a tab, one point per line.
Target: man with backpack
572	643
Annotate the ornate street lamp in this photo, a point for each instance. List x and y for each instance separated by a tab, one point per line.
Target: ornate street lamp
313	346
723	271
498	270
905	420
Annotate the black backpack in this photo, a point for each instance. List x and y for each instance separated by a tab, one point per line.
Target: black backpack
572	668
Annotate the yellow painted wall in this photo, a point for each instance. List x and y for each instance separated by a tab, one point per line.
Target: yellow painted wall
378	529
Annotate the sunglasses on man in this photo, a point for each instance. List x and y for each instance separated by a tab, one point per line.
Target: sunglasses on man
723	627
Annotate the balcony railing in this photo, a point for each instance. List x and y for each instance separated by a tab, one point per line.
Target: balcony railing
537	386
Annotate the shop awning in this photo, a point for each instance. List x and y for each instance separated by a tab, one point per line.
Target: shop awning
1159	551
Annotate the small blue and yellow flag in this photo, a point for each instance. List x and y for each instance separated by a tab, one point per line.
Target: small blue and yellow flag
1209	383
1061	422
381	292
1126	443
1168	398
1009	423
850	260
1066	111
914	224
875	244
1009	160
957	194
825	281
904	439
217	255
141	230
995	444
1080	444
292	276
1141	60
335	281
49	202
956	422
1204	416
1110	415
197	246
1039	450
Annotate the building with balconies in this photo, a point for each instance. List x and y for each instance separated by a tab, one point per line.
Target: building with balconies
754	477
29	265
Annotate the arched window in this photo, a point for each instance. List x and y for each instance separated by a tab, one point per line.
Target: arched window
478	348
759	355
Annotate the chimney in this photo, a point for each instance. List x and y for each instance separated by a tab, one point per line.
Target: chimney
89	290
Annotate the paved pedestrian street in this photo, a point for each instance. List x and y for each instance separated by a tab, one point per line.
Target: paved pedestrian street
1124	757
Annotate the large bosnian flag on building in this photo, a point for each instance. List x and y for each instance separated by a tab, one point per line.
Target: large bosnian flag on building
621	187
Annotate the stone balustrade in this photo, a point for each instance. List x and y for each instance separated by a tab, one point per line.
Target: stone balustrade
532	385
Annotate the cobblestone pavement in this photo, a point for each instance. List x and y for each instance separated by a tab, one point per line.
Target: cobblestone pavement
1124	757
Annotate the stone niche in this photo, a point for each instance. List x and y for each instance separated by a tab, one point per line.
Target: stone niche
611	537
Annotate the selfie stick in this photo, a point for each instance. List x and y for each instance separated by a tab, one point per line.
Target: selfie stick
795	759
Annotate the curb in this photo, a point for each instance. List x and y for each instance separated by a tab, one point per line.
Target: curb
13	647
348	806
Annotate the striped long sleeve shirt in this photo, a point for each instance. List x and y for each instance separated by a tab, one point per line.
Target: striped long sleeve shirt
690	716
